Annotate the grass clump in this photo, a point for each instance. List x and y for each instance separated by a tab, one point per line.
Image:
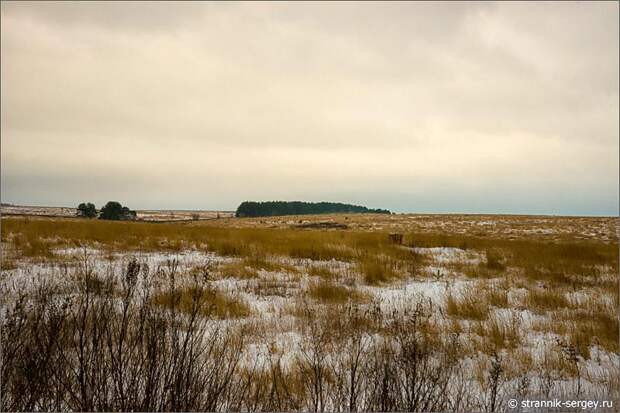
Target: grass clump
249	267
33	247
332	293
238	270
495	260
468	305
546	299
321	272
499	333
592	322
378	270
207	302
496	296
7	263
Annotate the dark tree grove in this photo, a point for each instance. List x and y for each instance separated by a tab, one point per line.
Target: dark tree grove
115	211
87	210
273	208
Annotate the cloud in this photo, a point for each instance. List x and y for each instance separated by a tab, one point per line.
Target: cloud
275	100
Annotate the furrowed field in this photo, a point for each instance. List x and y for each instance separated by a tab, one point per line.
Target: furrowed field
319	313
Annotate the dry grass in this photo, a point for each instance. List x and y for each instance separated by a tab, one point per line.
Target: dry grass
576	285
496	296
499	333
239	270
33	247
478	271
467	305
546	299
322	272
495	260
378	270
575	263
249	267
592	322
562	265
272	287
332	293
210	302
7	262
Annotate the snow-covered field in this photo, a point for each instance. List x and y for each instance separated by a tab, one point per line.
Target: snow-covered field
535	355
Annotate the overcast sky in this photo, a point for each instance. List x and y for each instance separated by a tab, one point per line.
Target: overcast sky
439	107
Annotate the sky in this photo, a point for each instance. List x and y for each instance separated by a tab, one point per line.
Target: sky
413	107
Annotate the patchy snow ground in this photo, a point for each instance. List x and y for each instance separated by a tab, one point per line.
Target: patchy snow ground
394	297
272	293
445	255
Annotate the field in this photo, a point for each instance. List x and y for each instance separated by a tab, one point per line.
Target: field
308	313
144	215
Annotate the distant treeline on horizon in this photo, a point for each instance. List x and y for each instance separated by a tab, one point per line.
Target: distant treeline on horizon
274	208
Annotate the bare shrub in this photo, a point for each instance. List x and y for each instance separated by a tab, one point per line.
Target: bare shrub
105	352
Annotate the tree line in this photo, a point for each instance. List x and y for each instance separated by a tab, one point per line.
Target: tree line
273	208
112	211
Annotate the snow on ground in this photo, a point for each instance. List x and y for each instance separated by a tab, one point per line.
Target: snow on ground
394	297
272	292
280	347
445	255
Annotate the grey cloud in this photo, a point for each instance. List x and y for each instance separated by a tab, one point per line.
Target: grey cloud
310	96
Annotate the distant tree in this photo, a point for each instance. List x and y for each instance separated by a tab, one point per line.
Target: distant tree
87	210
273	208
115	211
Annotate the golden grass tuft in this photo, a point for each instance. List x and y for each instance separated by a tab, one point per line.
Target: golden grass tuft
33	247
378	270
495	260
331	293
496	296
238	270
499	333
322	272
208	302
249	267
7	263
546	299
467	305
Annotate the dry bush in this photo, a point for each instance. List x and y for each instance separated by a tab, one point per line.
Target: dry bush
138	341
94	352
411	369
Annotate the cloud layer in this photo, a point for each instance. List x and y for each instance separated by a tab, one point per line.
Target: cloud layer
435	107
